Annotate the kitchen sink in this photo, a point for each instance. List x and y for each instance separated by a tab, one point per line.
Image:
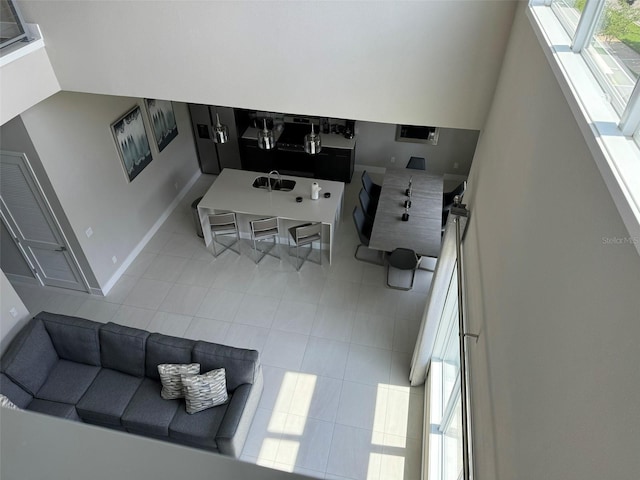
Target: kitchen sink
279	185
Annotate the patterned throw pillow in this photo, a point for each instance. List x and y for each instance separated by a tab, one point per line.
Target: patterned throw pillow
205	391
5	402
171	378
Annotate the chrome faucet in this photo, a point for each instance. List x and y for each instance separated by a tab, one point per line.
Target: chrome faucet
269	178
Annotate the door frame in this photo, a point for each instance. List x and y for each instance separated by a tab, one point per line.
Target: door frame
56	223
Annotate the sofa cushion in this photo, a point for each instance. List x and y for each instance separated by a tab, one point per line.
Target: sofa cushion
123	348
57	409
67	382
205	391
30	357
166	349
171	378
147	413
107	398
74	338
241	365
199	429
13	392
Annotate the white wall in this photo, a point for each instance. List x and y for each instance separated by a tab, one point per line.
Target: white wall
421	63
376	145
10	324
25	82
555	377
77	451
71	133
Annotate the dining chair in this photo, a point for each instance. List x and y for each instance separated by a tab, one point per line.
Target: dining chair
373	189
417	163
224	224
261	231
402	259
302	235
364	227
368	205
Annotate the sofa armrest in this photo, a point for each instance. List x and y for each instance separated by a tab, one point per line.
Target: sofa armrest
235	425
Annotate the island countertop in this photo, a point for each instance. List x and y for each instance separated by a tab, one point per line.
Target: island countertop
233	191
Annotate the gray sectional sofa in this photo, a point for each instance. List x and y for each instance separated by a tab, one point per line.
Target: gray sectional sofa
106	374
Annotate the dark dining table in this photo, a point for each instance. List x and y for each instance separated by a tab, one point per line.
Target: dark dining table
422	231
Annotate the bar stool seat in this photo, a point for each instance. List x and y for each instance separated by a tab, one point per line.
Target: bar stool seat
223	224
261	230
306	234
402	259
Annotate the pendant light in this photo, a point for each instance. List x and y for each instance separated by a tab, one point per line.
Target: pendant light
312	143
220	132
266	140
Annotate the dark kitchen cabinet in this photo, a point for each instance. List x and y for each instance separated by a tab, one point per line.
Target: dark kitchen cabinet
256	159
330	164
335	164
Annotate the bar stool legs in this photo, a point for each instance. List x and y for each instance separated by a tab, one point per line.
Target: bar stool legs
264	229
224	224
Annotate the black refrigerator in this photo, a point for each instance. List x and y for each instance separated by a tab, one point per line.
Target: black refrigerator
213	157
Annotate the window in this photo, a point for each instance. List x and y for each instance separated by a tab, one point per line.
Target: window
445	439
568	12
11	25
613	51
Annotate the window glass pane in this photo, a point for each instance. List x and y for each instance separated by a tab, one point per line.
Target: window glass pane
452	445
11	29
451	359
568	12
614	50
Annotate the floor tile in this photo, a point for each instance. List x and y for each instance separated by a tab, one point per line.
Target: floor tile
333	323
170	323
121	289
405	334
294	317
264	435
220	305
284	350
183	299
199	273
373	330
305	443
357	407
207	329
97	310
325	357
352	454
279	388
246	336
368	365
165	267
257	310
340	294
140	264
268	283
316	397
148	294
133	317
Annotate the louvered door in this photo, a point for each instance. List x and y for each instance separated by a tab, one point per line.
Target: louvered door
28	218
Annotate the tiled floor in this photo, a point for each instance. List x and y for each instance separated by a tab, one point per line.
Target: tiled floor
335	342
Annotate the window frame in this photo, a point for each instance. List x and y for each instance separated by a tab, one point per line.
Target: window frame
19	22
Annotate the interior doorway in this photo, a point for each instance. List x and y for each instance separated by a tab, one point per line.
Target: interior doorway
28	217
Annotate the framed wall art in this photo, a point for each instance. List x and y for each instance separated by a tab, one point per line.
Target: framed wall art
132	142
163	121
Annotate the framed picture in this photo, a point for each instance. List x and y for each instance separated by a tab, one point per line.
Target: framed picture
163	121
132	142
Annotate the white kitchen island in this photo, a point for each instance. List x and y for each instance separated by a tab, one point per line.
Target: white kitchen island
233	191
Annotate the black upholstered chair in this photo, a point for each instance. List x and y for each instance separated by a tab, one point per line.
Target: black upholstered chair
364	227
373	189
368	205
417	163
402	259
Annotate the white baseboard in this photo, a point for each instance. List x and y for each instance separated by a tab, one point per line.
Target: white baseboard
149	235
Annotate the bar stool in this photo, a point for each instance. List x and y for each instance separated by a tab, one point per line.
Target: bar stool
261	230
302	235
223	224
402	259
